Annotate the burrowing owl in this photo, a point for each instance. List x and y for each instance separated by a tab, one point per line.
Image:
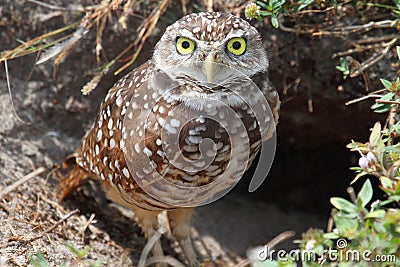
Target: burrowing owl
207	80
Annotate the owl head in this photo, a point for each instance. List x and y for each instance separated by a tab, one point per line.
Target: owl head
211	37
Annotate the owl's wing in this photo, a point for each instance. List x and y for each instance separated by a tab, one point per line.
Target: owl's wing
100	154
272	97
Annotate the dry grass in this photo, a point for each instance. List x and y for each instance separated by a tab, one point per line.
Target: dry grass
57	48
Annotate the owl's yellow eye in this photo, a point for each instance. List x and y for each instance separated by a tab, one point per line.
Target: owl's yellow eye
184	45
237	46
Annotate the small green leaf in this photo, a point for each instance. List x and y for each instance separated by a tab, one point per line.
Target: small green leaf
275	21
365	194
375	134
383	108
304	3
385	202
84	252
343	67
376	214
277	3
262	4
386	182
360	174
387	84
343	205
265	13
72	249
346	227
38	260
388	96
331	235
355	145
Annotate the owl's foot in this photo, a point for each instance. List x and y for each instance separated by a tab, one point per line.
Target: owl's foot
179	221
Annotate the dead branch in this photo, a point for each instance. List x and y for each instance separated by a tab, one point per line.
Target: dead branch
377	39
346	30
387	102
12	99
371	61
362	98
280	238
145	30
24	179
340	30
359	49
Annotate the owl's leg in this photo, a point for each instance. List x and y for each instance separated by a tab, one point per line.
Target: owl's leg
179	221
149	223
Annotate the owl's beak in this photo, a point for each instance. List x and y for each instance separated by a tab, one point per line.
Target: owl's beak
209	67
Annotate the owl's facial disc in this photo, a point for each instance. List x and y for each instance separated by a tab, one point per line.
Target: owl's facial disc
210	39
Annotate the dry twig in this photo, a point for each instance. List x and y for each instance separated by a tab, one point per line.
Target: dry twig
374	59
387	102
24	179
11	98
144	32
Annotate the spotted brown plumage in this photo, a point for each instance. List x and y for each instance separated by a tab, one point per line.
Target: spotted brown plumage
125	147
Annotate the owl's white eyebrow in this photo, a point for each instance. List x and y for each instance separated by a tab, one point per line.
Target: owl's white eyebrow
186	33
237	33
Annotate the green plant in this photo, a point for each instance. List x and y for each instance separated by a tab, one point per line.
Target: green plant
374	28
272	8
362	236
38	260
343	67
366	230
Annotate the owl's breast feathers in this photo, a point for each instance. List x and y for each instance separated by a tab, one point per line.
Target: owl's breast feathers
130	125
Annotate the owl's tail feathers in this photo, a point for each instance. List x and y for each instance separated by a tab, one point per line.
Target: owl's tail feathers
75	177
